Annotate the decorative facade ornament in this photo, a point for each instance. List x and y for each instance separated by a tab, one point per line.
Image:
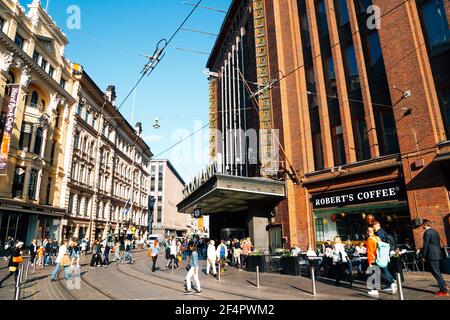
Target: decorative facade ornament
44	121
25	78
6	59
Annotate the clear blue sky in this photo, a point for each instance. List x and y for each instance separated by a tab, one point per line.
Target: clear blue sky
112	35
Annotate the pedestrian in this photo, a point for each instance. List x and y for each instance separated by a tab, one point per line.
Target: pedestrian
40	255
96	260
193	272
33	251
221	253
237	253
211	258
83	247
384	236
15	260
246	249
378	254
74	253
117	250
340	261
360	251
432	253
62	260
48	252
173	254
106	254
128	247
9	247
154	254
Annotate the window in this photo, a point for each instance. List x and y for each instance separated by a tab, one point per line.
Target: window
341	12
86	116
18	182
49	187
76	140
36	57
38	141
62	83
80	109
435	25
11	80
73	171
32	184
159	215
19	41
70	206
34	99
93	122
44	64
322	19
51	70
53	149
25	137
2	23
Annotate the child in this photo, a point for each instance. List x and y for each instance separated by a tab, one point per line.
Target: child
40	254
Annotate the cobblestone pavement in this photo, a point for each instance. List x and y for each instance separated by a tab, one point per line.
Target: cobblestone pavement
137	282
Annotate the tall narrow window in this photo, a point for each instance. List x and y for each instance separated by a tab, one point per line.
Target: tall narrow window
76	140
19	41
79	109
18	182
437	35
2	23
86	116
32	184
25	137
34	99
48	191
38	141
52	152
70	206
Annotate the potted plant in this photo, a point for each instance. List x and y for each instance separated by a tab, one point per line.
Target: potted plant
290	264
255	259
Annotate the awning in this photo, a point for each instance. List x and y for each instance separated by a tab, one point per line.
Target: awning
227	193
442	157
24	207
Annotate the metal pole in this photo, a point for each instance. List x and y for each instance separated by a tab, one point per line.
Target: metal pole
28	267
399	287
18	281
257	276
313	279
220	271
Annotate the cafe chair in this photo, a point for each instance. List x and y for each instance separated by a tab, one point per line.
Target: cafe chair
409	259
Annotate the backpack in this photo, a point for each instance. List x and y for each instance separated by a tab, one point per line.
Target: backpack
391	241
383	250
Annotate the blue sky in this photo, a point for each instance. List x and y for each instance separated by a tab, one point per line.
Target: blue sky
112	35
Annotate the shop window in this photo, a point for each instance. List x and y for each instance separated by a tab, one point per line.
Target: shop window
276	241
25	137
18	182
38	141
32	184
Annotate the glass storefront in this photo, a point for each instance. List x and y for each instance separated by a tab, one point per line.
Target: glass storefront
350	222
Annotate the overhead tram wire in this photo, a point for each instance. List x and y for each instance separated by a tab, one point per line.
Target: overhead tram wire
155	60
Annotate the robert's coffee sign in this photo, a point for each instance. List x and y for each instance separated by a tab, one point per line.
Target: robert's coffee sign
384	192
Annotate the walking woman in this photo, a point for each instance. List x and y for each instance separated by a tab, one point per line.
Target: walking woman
154	254
96	260
237	253
33	251
340	261
193	272
74	253
106	255
13	265
62	260
117	252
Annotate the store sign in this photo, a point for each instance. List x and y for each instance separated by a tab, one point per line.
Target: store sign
378	193
9	122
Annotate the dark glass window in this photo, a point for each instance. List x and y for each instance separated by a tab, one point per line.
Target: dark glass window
73	170
86	116
51	70
18	182
2	23
11	80
36	56
79	109
93	122
32	184
62	83
322	19
49	187
38	141
76	140
34	99
25	137
19	41
70	206
52	157
341	12
437	35
159	219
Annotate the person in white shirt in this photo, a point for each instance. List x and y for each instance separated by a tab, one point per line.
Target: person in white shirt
173	253
211	258
311	252
63	251
295	250
340	260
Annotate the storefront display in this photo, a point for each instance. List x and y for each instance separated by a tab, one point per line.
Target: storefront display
345	213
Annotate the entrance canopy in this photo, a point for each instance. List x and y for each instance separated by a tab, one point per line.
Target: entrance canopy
227	194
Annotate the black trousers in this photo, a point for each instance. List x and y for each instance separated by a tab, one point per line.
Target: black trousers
96	260
154	259
173	259
10	274
436	272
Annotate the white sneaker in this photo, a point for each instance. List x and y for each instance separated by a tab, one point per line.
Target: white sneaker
394	288
373	292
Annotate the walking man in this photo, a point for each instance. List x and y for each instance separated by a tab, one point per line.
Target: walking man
13	264
155	252
432	253
62	260
193	271
211	258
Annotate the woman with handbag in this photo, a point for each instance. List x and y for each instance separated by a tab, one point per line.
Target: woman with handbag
13	265
62	260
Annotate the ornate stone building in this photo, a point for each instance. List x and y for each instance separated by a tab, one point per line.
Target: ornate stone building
107	190
35	100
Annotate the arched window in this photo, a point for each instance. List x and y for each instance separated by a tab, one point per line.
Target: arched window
34	99
38	141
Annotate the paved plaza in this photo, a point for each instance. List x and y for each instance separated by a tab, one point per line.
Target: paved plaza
137	282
